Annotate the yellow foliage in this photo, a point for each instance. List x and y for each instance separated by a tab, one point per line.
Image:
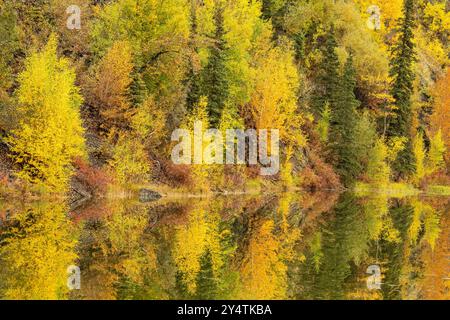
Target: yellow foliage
240	19
424	218
129	161
125	239
200	172
390	10
149	120
49	134
440	119
419	155
396	144
436	154
378	170
437	18
273	103
109	88
276	82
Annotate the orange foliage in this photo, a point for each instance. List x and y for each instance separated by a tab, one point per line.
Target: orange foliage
96	179
440	119
109	88
436	283
318	175
177	175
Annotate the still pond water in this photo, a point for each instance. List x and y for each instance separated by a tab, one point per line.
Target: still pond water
286	246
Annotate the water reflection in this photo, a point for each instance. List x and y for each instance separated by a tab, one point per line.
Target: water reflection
37	244
290	246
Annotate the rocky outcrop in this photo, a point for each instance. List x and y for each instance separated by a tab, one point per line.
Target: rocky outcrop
146	195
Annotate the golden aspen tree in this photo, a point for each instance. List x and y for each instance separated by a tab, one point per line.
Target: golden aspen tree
440	119
435	159
419	155
202	163
378	170
129	160
109	88
49	134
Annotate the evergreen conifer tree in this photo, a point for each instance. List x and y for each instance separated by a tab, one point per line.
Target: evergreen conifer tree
344	119
402	73
214	84
328	77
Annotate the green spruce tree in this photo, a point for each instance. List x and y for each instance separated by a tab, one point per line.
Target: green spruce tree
402	73
327	82
214	77
344	119
193	79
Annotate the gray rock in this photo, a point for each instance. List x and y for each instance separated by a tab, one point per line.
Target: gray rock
146	195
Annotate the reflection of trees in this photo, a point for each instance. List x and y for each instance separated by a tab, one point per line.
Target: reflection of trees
266	248
202	251
271	248
193	240
419	227
373	230
396	253
335	252
117	254
435	282
36	248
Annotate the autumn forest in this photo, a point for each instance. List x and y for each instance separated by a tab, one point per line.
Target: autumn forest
98	202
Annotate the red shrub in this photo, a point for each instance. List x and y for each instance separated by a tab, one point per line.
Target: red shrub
177	175
319	175
94	178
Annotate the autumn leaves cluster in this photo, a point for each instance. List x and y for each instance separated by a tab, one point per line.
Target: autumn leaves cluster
112	92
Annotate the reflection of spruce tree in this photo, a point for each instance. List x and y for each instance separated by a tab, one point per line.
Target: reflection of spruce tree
214	84
393	252
206	282
181	290
343	126
344	241
402	72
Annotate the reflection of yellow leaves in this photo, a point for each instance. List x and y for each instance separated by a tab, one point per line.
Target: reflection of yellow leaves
376	208
289	235
435	284
432	229
390	233
36	254
125	239
263	273
192	240
424	217
416	224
